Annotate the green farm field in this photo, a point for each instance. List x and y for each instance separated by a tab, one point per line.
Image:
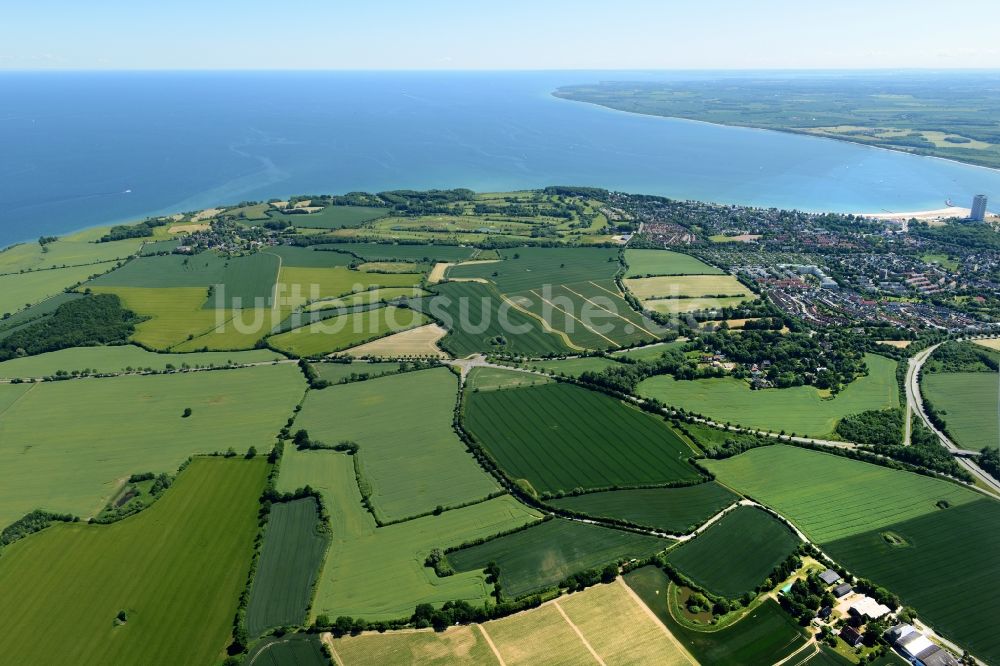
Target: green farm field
955	550
379	573
384	294
180	593
571	367
762	540
665	262
111	428
801	409
74	250
648	352
485	309
566	437
696	286
20	290
675	510
401	417
293	551
830	507
765	636
331	217
121	359
289	650
299	285
544	555
346	331
492	379
337	372
856	529
968	402
401	252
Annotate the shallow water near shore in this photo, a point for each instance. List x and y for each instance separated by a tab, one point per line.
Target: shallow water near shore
82	149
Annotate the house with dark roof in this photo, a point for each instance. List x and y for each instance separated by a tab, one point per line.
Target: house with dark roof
842	589
830	577
851	636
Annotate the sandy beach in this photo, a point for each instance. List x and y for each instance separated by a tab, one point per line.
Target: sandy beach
936	214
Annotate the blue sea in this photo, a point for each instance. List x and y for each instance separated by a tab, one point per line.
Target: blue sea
81	149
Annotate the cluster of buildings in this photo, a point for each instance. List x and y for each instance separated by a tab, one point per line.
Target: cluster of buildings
917	648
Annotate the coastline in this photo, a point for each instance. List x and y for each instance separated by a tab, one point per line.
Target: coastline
781	130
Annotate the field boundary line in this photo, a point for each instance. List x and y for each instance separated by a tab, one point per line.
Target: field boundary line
652	616
618	294
575	318
18	399
632	323
489	641
579	633
545	325
328	640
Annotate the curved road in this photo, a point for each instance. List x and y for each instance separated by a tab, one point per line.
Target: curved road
915	403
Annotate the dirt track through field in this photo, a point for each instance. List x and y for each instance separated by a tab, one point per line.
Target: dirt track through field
489	641
579	633
642	604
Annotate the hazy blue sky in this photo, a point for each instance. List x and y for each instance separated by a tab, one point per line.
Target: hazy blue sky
513	34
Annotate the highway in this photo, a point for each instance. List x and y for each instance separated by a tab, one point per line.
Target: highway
915	403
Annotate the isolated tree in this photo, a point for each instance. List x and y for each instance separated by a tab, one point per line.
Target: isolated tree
187	413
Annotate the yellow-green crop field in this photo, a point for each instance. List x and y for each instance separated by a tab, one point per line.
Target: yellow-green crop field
346	331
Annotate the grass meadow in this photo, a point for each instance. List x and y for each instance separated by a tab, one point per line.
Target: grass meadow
571	367
762	540
665	262
766	635
968	402
111	428
73	250
332	217
20	290
121	358
392	419
544	555
379	573
803	410
674	510
177	569
566	437
346	331
294	550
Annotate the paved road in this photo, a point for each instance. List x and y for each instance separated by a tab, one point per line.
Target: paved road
915	402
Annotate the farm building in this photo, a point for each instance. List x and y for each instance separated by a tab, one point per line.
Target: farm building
824	612
867	608
851	636
842	589
918	648
830	577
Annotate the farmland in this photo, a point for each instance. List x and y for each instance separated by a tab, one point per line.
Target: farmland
614	624
852	525
379	573
695	286
388	252
664	262
968	402
438	469
110	428
298	285
474	315
492	379
179	593
346	331
293	551
762	541
331	217
675	510
289	650
567	437
571	367
19	290
965	537
384	294
544	555
336	372
124	358
419	342
801	409
829	507
765	636
73	250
